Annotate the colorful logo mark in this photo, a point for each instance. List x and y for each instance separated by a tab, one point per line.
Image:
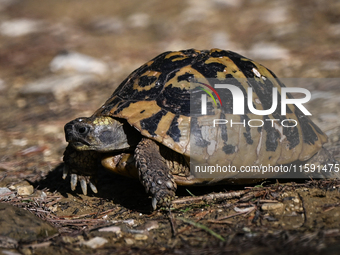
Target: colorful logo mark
213	90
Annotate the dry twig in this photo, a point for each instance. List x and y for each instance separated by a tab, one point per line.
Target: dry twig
209	197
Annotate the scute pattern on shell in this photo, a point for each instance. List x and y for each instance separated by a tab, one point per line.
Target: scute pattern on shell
155	99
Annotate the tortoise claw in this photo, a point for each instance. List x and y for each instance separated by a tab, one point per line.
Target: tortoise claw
83	179
73	181
65	172
83	186
93	187
154	203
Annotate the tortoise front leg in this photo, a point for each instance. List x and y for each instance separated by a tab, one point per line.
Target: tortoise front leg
82	166
154	173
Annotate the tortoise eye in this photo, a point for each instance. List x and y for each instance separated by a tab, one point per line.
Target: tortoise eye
82	130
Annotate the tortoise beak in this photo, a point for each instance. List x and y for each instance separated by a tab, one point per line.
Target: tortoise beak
76	131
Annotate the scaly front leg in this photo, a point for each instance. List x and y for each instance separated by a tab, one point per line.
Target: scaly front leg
82	166
154	173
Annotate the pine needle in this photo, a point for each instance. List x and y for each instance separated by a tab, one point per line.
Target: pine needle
198	225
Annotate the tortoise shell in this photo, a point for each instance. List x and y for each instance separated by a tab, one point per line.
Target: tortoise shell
155	99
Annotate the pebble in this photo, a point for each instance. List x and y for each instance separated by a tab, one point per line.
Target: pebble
271	206
246	229
334	29
58	85
20	142
197	10
6	193
72	239
264	50
20	27
220	40
139	20
95	242
25	190
141	237
296	200
129	222
18	184
151	225
113	229
79	63
277	14
129	241
110	25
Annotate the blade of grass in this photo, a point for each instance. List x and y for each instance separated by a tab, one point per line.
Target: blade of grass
201	226
190	193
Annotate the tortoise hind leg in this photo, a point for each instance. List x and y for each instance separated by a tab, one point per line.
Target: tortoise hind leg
154	173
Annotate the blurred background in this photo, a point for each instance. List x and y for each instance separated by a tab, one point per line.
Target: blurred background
62	59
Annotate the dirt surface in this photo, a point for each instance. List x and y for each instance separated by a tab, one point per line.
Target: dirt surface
38	95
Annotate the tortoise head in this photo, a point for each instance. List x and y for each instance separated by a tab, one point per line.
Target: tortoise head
102	134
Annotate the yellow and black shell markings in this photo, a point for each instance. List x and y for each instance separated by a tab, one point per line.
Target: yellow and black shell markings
155	99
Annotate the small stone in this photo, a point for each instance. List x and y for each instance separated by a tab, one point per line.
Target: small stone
277	14
57	85
18	184
246	229
80	63
110	25
196	11
20	27
25	190
270	51
72	239
95	242
151	225
335	138
220	40
130	222
296	200
114	229
271	206
334	29
141	237
20	142
139	20
6	193
129	241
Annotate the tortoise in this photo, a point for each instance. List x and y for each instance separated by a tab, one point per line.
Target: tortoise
146	129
